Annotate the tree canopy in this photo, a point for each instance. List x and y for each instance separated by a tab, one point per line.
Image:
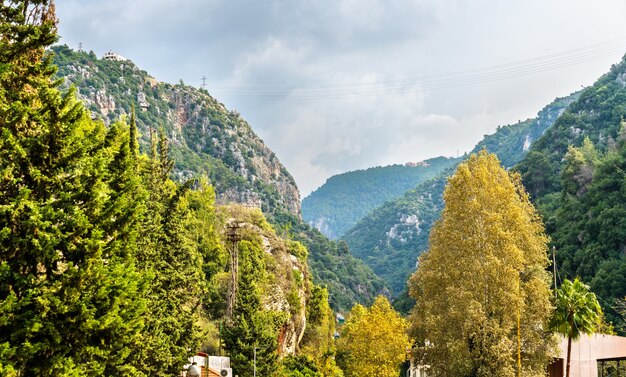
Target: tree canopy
577	312
373	341
482	289
589	224
70	293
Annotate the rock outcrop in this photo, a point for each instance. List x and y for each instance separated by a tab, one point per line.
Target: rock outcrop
206	138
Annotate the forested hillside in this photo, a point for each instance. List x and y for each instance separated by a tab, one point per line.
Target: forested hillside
108	266
391	237
512	142
575	174
596	114
142	223
344	199
206	138
348	279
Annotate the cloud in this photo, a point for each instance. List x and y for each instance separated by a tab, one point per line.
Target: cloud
332	85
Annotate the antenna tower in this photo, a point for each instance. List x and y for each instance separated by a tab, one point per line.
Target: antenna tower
233	238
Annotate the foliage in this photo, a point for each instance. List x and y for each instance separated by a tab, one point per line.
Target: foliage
300	366
484	275
169	255
253	327
318	342
596	115
589	222
577	312
574	174
344	199
391	237
107	265
209	140
71	298
373	341
332	265
404	303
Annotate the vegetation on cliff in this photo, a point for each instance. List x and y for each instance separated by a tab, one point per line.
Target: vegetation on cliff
344	199
207	139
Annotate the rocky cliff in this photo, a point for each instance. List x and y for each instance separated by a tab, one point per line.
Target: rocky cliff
206	138
284	281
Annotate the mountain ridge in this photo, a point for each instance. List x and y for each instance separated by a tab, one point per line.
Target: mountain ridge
206	138
391	237
345	198
575	177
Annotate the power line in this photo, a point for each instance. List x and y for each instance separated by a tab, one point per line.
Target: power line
520	68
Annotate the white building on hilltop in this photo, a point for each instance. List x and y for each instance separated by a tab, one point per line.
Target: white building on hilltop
113	56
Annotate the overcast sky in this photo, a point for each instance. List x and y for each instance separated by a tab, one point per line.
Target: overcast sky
339	85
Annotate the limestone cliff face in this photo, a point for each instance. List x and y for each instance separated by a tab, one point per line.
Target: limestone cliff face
206	138
285	287
288	293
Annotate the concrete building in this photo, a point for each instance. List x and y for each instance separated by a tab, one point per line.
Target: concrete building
113	56
592	356
208	366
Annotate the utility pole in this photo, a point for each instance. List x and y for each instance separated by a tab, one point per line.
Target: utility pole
80	46
233	238
554	266
519	328
203	86
254	361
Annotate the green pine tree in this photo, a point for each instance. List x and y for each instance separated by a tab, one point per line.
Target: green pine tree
252	326
170	257
70	297
134	142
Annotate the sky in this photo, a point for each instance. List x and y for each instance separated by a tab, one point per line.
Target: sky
339	85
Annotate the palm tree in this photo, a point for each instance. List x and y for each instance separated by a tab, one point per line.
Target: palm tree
577	312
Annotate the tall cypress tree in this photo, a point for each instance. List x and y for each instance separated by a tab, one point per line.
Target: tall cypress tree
253	326
170	257
134	142
69	293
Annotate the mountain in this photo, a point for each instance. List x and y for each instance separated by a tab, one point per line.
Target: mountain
347	278
575	175
208	139
274	269
596	114
345	198
391	237
511	143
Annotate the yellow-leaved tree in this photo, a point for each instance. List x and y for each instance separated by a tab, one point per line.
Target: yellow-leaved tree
373	341
482	291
